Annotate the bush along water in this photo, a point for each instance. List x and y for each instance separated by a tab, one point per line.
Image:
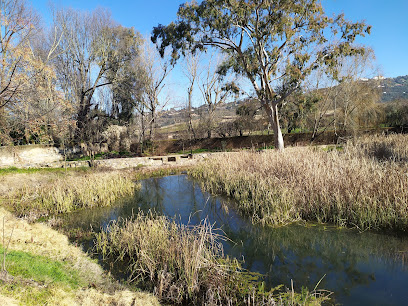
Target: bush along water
185	264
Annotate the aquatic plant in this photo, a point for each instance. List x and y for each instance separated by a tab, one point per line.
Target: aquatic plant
351	187
66	192
185	264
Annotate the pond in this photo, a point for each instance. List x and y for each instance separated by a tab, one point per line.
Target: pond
360	268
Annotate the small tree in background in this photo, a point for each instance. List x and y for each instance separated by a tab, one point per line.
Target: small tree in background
215	90
154	74
246	117
350	101
190	70
396	114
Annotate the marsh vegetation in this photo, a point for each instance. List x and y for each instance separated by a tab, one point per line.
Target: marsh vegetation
364	185
186	264
355	264
62	192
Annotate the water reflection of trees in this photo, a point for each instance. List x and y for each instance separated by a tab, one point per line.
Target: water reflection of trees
303	253
307	253
178	197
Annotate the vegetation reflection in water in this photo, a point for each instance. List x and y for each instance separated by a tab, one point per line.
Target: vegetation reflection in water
359	267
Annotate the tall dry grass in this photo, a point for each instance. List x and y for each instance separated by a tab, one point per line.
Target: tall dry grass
353	187
67	192
185	264
390	148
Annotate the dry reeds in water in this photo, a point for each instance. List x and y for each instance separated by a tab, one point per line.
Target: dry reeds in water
183	264
347	188
65	193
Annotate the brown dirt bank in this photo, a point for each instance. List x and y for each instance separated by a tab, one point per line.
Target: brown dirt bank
258	141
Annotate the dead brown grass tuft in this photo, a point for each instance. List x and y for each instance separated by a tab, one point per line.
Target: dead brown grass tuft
390	148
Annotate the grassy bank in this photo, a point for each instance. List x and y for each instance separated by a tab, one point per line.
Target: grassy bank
44	194
359	186
185	264
42	268
15	170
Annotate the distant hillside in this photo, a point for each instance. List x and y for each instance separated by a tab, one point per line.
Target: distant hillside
395	88
173	116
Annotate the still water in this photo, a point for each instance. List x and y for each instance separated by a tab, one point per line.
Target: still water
360	268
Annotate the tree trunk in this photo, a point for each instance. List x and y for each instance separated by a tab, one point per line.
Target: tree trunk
210	120
272	112
152	123
83	118
142	136
190	117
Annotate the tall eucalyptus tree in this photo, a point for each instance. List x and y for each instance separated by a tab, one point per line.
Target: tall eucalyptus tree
274	43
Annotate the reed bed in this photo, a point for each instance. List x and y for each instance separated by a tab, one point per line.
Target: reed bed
185	264
67	192
348	188
390	148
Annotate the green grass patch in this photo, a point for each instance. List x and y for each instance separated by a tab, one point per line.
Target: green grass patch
196	151
35	279
12	170
40	269
173	128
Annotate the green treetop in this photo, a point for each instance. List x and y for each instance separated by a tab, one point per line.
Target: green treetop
276	44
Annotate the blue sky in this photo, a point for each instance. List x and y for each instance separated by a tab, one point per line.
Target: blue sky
389	37
389	20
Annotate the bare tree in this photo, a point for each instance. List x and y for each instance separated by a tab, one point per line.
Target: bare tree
154	72
215	90
190	70
93	49
17	25
31	107
345	103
